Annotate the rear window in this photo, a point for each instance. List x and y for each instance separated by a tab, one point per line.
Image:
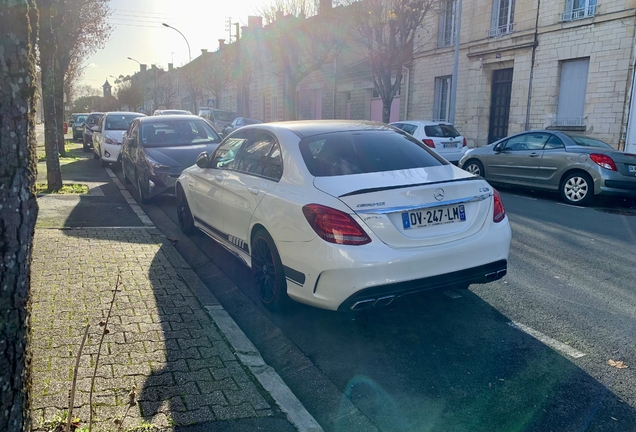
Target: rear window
588	142
119	122
359	152
224	115
80	119
174	133
441	131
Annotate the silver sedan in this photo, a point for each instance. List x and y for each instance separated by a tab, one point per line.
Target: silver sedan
577	166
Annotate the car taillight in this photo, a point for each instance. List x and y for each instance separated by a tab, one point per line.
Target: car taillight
604	160
499	213
335	226
464	143
429	142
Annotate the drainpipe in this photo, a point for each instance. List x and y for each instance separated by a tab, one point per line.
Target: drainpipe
534	53
408	90
335	86
453	98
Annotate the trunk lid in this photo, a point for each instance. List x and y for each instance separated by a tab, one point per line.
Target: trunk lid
442	204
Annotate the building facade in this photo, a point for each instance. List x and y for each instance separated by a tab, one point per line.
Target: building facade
580	79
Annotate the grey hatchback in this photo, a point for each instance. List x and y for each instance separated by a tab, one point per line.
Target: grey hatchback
577	166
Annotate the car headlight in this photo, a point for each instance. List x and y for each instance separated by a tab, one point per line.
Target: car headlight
154	164
112	141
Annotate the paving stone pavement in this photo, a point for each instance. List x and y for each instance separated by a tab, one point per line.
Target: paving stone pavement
161	340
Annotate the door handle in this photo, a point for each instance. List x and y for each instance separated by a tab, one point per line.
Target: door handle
534	155
218	178
253	190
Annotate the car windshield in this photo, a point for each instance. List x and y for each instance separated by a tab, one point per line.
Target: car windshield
119	121
441	131
174	133
588	142
93	119
345	153
81	119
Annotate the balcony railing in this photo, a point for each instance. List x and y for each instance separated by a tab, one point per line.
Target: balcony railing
501	30
580	13
569	121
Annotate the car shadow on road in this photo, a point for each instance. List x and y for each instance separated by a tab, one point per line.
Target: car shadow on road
427	362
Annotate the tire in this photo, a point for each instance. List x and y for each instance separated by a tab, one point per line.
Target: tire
577	189
95	155
85	147
142	197
184	215
475	167
267	269
103	163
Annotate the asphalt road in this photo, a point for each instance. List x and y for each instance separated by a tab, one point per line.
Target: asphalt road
455	361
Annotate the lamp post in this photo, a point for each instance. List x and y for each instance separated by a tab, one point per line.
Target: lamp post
453	98
130	58
184	38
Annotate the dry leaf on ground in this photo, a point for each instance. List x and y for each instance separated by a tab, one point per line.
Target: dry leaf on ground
617	364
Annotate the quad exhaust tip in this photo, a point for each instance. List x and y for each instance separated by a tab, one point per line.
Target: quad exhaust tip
366	304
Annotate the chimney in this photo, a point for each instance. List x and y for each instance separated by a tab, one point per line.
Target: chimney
254	21
143	68
203	51
325	6
279	15
170	66
244	30
154	66
221	44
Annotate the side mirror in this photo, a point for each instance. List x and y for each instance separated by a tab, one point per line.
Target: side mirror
203	160
497	148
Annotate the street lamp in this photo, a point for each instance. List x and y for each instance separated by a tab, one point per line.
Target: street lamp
184	38
130	58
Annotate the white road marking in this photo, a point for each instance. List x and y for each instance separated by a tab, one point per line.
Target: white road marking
143	217
452	294
521	196
570	205
552	343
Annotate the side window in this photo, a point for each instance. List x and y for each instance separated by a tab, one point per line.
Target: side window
409	129
254	154
274	166
554	143
225	155
529	141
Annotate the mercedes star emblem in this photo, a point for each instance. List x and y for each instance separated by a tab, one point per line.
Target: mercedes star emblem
439	194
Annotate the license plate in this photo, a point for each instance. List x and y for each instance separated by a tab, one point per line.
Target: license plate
434	216
452	145
631	168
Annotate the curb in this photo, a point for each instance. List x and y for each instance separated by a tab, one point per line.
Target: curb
244	350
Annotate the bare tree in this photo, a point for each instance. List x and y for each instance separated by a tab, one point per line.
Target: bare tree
18	206
193	79
387	30
218	73
86	90
130	94
304	8
316	42
70	30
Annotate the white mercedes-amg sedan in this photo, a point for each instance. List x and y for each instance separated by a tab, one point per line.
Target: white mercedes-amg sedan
344	215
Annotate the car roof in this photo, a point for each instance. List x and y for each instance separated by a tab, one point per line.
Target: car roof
163	118
124	113
306	128
422	122
96	113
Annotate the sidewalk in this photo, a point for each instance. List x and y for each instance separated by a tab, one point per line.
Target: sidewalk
169	339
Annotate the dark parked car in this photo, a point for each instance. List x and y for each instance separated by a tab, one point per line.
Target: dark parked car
157	149
578	167
78	126
238	123
87	134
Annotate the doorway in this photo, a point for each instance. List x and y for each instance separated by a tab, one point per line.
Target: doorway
500	104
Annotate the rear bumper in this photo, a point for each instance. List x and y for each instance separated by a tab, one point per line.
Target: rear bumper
453	156
618	188
384	294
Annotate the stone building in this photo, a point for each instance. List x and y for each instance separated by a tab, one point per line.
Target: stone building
580	79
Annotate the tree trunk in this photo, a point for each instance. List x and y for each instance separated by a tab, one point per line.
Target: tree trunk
386	110
59	108
51	126
18	208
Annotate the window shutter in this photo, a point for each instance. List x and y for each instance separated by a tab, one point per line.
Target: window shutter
437	102
495	15
572	88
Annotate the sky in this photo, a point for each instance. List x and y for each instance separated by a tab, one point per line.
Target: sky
138	33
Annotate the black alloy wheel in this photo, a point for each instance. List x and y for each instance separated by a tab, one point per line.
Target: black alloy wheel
268	272
184	215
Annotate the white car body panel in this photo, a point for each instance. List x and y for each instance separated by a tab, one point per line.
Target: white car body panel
453	153
227	210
